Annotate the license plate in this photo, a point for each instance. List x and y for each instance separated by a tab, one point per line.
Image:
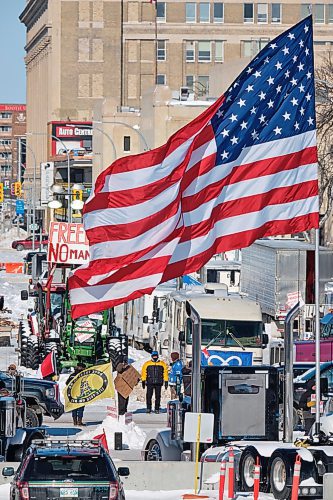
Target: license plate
69	492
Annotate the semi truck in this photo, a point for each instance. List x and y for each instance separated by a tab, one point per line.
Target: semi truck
279	272
233	331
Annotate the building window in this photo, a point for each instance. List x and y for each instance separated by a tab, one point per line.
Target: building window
5	128
189	81
218	12
160	79
161	50
248	13
305	10
191	12
127	143
330	13
190	51
319	13
6	168
219	51
97	50
203	85
276	12
250	48
5	115
204	51
262	13
160	12
7	156
204	12
5	142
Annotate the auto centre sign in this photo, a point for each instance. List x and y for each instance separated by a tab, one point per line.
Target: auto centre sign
72	135
68	244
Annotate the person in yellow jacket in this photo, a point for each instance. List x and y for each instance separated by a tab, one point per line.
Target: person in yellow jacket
154	374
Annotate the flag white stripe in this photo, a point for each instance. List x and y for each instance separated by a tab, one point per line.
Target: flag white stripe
132	213
91	294
117	248
252	154
244	222
252	187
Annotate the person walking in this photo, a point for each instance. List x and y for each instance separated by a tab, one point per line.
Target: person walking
77	414
175	375
154	374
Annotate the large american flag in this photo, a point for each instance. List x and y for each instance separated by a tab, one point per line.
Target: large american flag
244	169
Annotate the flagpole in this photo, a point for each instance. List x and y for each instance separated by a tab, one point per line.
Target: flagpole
317	331
155	8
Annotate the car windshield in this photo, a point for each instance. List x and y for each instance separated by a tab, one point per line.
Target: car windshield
228	333
311	372
92	320
77	468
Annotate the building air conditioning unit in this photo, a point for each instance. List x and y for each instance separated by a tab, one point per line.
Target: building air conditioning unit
184	93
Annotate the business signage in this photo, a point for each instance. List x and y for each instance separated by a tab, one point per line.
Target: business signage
212	357
68	244
47	180
12	107
75	136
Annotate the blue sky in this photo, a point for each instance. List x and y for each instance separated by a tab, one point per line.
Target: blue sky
12	41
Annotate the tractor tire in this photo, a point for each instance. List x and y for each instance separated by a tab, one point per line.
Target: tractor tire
23	336
115	351
33	354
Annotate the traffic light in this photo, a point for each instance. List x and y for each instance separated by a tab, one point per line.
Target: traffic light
12	188
77	194
17	189
1	192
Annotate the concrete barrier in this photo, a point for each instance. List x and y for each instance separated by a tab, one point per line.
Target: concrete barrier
328	487
156	476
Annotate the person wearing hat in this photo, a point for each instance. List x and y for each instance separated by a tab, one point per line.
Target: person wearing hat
77	414
12	370
154	374
175	374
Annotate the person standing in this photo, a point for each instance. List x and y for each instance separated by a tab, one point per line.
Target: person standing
126	380
154	374
77	414
175	374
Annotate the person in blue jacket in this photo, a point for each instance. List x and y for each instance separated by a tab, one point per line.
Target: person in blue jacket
175	374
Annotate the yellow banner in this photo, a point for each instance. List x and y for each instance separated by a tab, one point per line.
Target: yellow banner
88	386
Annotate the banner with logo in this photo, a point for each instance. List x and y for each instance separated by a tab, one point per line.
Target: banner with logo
210	357
88	386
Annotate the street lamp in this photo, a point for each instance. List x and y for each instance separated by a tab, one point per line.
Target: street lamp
69	213
132	127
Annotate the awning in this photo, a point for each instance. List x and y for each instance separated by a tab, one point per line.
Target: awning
327	319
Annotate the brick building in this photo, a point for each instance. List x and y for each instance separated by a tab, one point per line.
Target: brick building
12	139
82	53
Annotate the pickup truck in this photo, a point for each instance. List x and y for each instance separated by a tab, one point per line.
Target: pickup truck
42	398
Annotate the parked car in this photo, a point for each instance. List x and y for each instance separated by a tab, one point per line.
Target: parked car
42	398
67	469
26	244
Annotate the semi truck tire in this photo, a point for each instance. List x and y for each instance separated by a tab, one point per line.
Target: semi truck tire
31	418
14	453
280	475
246	470
33	357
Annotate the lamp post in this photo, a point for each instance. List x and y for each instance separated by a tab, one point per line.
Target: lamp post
69	212
136	129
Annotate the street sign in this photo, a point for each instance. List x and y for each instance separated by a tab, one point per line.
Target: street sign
19	207
198	428
34	226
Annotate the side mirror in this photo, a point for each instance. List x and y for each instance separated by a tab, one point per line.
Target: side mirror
8	471
145	320
181	336
122	471
265	339
24	295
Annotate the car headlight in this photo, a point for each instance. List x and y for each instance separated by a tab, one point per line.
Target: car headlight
50	393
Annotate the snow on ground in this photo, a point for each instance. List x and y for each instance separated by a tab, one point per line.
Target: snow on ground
9	236
133	436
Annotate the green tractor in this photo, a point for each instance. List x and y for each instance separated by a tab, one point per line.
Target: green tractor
92	339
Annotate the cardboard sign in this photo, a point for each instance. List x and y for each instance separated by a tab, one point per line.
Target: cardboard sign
68	244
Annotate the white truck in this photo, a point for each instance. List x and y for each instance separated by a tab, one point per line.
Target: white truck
232	329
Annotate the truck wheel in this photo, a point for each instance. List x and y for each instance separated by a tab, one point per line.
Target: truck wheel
246	468
33	352
281	476
31	418
154	452
15	453
115	352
